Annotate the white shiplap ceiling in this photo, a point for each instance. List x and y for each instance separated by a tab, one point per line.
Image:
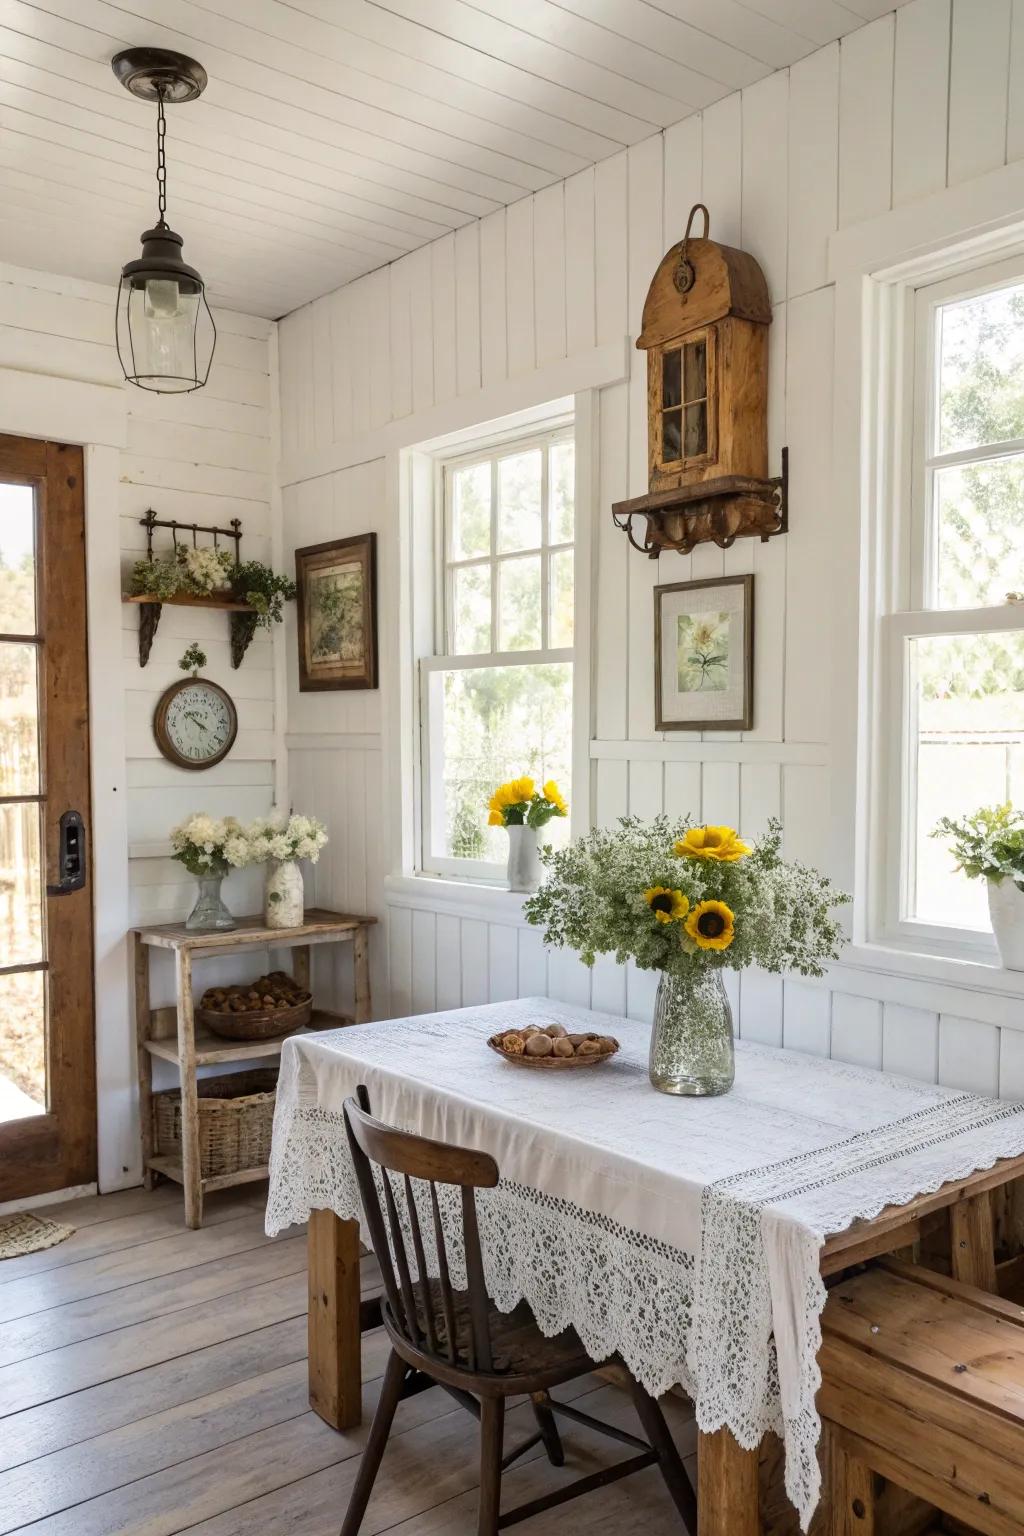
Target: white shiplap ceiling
336	135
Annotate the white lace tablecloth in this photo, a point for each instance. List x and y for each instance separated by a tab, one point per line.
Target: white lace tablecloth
683	1234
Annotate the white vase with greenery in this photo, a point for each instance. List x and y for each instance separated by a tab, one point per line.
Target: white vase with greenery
687	902
990	846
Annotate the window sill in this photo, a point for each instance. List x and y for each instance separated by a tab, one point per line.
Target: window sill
455	898
975	975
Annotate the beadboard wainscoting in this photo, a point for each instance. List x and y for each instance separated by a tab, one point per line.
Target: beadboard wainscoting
532	303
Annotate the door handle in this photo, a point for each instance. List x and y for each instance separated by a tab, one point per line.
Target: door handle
70	855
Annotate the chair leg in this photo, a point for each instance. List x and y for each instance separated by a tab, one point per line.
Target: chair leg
492	1434
548	1428
669	1459
390	1394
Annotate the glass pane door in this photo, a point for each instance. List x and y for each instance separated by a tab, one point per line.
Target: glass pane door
23	1081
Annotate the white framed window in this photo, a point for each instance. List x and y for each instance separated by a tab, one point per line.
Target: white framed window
953	640
496	698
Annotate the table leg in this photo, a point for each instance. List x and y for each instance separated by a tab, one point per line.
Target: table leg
361	969
728	1487
190	1165
972	1241
335	1365
143	1024
301	966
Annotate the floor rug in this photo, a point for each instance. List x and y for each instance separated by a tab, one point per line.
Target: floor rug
23	1233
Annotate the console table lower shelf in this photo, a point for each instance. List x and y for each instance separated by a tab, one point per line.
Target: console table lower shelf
170	1034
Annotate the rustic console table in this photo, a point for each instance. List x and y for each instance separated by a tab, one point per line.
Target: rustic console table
170	1033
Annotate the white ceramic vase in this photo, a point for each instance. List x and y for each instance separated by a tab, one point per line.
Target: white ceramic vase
284	897
1006	908
524	869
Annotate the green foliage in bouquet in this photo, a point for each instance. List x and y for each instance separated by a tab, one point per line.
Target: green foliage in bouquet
674	897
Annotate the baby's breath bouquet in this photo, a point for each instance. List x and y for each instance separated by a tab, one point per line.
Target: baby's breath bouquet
687	901
280	841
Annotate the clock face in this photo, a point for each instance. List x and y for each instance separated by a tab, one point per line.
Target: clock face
195	723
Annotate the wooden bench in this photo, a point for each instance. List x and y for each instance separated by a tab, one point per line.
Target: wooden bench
922	1386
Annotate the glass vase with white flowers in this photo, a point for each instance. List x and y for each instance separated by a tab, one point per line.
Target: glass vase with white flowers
687	901
209	847
281	842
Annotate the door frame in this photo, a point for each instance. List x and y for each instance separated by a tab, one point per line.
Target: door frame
94	417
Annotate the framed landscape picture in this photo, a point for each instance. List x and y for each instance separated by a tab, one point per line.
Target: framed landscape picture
337	611
704	655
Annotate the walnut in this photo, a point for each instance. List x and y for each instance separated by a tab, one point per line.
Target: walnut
606	1044
588	1048
513	1043
575	1040
539	1045
562	1047
555	1031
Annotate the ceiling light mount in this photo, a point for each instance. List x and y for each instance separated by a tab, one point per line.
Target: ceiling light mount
155	73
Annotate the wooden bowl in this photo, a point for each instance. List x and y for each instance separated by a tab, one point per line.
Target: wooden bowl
256	1023
551	1061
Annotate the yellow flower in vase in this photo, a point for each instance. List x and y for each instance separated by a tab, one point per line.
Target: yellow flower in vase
553	794
722	844
711	925
667	905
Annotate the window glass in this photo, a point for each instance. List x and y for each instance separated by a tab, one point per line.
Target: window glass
17	560
471	512
472	609
967	703
499	723
519	494
981	370
520	619
979	511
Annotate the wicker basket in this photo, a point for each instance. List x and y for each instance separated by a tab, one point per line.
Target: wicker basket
236	1116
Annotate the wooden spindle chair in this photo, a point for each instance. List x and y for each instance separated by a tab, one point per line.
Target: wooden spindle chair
460	1341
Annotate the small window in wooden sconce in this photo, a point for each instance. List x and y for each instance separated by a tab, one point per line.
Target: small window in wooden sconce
705	332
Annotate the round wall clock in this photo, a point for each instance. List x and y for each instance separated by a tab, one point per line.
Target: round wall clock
195	723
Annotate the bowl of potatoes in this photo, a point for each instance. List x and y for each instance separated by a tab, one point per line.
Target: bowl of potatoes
552	1045
271	1005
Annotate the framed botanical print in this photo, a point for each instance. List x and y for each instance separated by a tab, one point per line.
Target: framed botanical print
704	655
337	612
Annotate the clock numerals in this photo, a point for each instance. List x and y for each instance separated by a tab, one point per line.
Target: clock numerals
196	724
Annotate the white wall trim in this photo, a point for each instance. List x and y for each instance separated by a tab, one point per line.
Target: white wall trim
608	364
333	741
61	410
455	898
815	754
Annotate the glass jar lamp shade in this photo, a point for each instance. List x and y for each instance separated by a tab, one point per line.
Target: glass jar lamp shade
165	331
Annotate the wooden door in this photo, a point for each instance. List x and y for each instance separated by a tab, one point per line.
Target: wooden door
47	1062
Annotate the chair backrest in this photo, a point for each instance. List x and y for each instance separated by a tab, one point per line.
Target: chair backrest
447	1324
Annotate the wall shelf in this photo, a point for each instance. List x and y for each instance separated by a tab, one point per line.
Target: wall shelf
713	512
243	619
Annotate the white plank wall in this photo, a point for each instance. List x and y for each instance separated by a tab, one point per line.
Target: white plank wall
930	96
202	458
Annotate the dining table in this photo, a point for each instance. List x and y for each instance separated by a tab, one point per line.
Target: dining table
692	1238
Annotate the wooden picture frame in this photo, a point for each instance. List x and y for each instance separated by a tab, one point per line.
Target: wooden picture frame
704	655
337	613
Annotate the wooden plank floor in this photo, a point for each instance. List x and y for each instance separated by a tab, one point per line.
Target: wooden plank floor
153	1380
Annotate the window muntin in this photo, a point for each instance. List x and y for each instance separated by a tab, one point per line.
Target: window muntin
958	672
684	401
496	701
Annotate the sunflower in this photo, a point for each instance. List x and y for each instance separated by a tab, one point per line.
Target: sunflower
495	819
719	843
554	795
710	925
668	906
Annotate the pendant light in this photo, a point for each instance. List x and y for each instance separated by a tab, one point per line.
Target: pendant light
165	332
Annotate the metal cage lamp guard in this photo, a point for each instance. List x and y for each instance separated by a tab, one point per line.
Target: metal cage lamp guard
165	332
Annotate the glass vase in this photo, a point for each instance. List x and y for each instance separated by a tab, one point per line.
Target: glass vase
691	1040
284	897
209	913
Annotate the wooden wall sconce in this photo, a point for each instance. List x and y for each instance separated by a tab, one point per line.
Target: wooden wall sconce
705	332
